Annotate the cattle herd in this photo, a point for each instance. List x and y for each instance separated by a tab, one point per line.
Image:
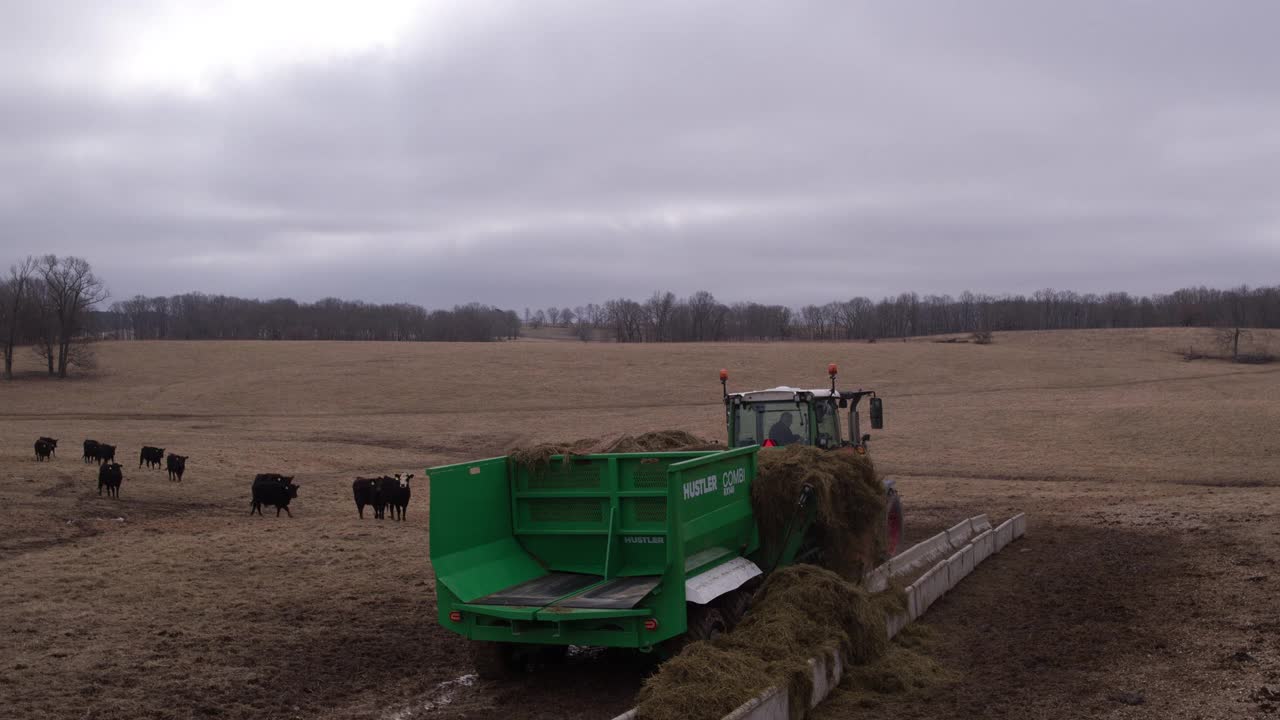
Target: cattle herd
110	474
382	493
269	489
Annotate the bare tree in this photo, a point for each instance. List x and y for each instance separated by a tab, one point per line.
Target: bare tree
660	307
15	295
42	328
1228	340
703	314
71	289
628	318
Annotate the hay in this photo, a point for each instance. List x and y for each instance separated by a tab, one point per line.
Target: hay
904	669
538	457
849	527
801	611
707	680
661	441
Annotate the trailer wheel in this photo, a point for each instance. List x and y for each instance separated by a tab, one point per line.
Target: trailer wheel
706	622
734	605
893	536
493	660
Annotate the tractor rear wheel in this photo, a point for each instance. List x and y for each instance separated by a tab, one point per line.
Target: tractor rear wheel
706	622
493	660
734	606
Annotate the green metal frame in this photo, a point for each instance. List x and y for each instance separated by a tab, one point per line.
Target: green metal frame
496	524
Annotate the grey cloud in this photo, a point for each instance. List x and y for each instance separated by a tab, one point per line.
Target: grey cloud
788	152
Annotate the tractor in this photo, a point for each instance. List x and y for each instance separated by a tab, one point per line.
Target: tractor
786	415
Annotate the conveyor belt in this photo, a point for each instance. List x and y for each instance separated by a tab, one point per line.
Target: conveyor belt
541	591
617	594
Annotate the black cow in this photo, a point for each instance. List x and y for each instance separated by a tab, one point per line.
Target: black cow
43	450
104	453
363	489
273	489
110	476
396	492
90	450
53	443
177	464
380	495
152	456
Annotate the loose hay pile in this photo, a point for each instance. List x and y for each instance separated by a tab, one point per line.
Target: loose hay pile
661	441
850	498
905	669
538	457
801	610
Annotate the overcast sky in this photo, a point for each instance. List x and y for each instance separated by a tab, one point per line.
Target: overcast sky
556	153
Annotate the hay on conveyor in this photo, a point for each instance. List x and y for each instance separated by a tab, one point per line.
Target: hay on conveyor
538	457
849	527
801	610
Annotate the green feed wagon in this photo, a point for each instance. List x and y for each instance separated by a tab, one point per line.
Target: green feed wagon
618	550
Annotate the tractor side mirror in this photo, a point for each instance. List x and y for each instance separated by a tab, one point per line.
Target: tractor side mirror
877	414
844	402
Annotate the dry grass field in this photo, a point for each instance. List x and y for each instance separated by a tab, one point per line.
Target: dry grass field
1150	566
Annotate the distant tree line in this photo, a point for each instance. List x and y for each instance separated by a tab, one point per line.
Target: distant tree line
700	317
196	316
48	304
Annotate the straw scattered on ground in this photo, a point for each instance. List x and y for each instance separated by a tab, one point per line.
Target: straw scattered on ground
905	669
801	611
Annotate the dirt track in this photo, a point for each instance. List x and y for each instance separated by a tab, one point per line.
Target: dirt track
1118	593
189	608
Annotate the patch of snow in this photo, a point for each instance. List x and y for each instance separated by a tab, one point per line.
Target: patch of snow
440	696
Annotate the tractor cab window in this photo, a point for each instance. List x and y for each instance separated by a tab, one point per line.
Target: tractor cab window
782	422
827	426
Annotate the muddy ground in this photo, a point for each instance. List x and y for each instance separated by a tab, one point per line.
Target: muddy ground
1145	586
1153	601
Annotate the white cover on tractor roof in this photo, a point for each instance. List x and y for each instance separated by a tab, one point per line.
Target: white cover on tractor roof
782	392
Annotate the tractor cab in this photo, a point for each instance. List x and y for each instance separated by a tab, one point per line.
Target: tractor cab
787	415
